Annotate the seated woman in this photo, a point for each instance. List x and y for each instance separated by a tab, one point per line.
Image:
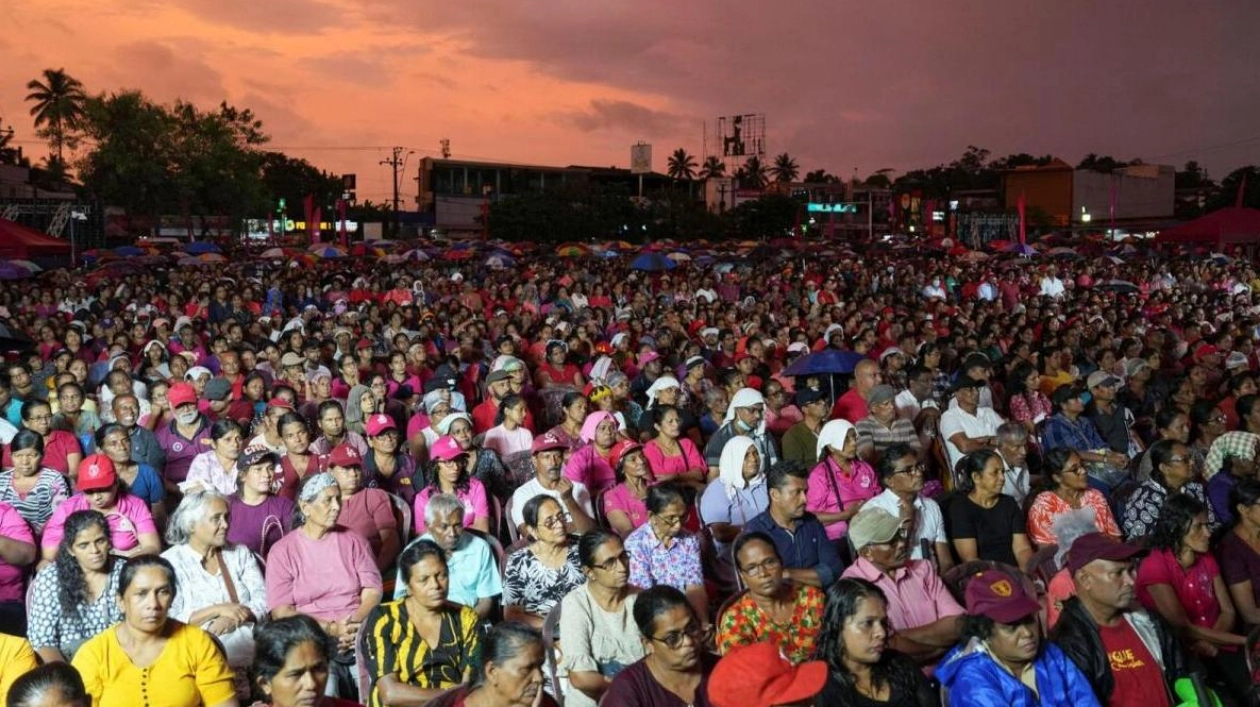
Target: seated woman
1171	472
140	479
672	454
132	531
1181	581
384	467
862	671
44	685
1003	651
368	513
149	651
323	571
1238	552
221	588
774	609
738	495
18	554
28	486
292	658
509	438
449	473
625	504
984	523
540	574
841	482
259	516
511	673
62	452
484	465
216	467
589	465
597	621
1068	489
298	461
675	668
663	552
421	645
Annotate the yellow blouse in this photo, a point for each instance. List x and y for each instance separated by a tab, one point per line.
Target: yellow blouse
16	659
189	672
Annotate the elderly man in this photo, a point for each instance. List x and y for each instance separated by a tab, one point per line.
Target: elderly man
1013	449
1112	419
882	428
852	406
472	570
967	427
926	620
901	474
145	447
183	438
800	442
1129	656
746	415
808	556
548	453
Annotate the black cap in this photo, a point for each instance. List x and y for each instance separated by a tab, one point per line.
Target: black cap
805	396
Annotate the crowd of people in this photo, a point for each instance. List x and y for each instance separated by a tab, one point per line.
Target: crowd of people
892	480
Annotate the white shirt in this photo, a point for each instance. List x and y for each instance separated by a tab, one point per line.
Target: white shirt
1051	287
533	488
909	407
1016	485
983	424
929	524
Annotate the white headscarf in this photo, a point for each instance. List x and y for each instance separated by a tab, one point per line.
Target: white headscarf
444	427
731	465
661	383
603	366
833	434
746	398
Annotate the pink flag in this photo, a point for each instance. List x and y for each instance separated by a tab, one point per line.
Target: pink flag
271	235
308	210
1023	225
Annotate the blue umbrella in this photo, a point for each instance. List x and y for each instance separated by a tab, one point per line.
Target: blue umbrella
824	362
128	250
201	247
653	262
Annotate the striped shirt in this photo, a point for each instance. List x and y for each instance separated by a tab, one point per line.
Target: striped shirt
394	646
37	506
873	432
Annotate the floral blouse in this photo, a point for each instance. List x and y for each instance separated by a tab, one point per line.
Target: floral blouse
744	623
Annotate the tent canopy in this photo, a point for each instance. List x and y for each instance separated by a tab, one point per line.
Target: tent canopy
18	241
1229	225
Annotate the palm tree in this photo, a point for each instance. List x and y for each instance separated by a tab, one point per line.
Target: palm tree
713	168
785	168
58	108
682	165
753	174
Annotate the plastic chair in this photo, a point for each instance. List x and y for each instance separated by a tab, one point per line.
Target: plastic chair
551	636
402	514
514	534
362	653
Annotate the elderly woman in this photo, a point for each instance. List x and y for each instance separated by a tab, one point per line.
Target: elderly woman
259	516
149	651
511	673
292	662
589	465
28	486
366	512
1172	471
449	473
745	417
597	621
421	645
1068	490
1180	581
774	608
540	574
672	455
663	552
323	571
72	599
216	468
132	530
222	590
676	666
625	505
984	523
62	452
140	479
841	482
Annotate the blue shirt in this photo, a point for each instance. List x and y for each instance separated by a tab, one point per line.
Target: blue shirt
472	568
1080	436
805	548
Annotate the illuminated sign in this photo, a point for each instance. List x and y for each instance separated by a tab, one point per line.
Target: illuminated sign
841	208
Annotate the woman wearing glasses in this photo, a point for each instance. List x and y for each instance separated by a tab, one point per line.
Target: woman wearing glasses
597	620
676	666
774	609
1172	471
1068	490
540	574
62	452
663	552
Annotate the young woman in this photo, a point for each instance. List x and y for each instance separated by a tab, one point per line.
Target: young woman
31	488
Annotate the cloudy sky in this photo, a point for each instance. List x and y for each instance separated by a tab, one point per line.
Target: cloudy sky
846	86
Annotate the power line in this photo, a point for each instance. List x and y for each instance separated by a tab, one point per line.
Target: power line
1212	148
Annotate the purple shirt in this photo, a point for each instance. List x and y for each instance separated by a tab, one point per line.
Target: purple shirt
259	527
651	563
180	450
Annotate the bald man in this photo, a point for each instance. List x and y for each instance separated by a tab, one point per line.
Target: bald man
852	405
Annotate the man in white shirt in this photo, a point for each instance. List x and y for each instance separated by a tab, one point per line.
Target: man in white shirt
549	479
901	474
1051	285
966	427
1013	449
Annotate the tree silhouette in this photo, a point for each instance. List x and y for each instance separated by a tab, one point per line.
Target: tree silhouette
785	168
713	168
753	174
682	165
820	176
59	100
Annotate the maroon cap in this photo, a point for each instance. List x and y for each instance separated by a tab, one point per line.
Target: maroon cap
345	455
1098	546
280	403
546	442
1000	597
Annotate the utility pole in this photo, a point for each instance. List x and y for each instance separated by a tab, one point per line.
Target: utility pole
397	164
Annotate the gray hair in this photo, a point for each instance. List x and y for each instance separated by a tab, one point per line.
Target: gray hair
615	378
1012	433
192	509
441	505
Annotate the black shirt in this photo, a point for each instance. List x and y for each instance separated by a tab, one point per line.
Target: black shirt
993	529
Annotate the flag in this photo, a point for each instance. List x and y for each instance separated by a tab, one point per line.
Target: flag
1023	225
1112	205
316	219
308	210
341	221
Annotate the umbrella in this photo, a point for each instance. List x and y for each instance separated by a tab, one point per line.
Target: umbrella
998	244
28	265
212	258
499	262
191	261
12	271
652	262
974	256
1020	248
199	247
128	250
571	251
327	251
274	254
365	249
1123	286
416	254
458	254
824	362
1062	252
679	257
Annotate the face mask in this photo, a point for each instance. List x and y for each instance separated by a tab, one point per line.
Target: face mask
187	418
1086	397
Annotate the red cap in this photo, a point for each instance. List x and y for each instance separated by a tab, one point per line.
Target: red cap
377	425
1202	351
363	344
96	472
181	394
445	449
345	455
546	442
280	403
1098	546
1000	597
620	450
758	675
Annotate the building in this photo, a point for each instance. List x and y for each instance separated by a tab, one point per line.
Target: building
1079	197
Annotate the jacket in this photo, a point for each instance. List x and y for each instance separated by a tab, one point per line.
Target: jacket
1077	635
975	679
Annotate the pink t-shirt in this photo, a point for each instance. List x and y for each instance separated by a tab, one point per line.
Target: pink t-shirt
13	527
860	485
367	512
475	504
620	498
323	578
586	466
128	519
1193	586
663	466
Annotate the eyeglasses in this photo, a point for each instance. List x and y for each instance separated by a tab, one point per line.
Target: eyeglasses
612	563
674	639
912	470
1178	460
1078	469
554	521
41	418
763	567
669	521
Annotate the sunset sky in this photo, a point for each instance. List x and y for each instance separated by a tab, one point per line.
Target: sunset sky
845	85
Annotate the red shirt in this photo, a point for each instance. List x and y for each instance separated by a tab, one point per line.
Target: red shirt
851	406
1139	679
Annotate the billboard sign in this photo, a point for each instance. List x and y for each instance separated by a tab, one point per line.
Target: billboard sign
641	159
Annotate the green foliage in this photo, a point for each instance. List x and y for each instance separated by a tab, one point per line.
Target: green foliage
58	109
771	216
752	175
712	168
821	176
1248	179
291	179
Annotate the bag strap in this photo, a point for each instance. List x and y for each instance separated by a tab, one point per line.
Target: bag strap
227	579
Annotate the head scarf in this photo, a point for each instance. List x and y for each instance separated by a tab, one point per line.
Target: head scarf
601	369
354	404
593	421
314	485
1231	444
731	465
444	427
833	434
433	398
746	398
661	383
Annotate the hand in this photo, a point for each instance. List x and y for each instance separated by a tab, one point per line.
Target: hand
236	612
565	487
220	626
